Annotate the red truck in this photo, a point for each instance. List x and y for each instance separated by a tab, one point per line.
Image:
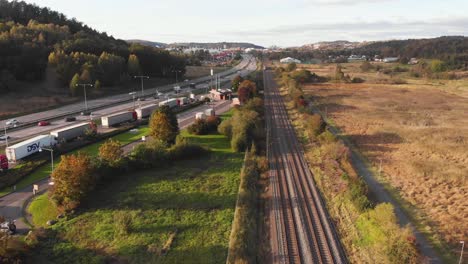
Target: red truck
3	163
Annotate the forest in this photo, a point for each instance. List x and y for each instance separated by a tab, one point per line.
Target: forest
33	38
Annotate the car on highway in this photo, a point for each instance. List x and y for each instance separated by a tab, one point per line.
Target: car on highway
4	137
12	122
43	123
86	113
70	119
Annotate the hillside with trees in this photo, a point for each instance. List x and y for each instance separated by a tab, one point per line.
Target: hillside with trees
33	38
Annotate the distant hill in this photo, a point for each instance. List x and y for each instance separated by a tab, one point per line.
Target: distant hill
333	45
147	43
218	45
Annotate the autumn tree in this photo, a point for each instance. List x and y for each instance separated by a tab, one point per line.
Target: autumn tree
111	152
236	82
85	76
73	178
74	81
133	65
164	125
247	89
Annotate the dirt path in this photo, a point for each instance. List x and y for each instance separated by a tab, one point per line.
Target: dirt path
379	192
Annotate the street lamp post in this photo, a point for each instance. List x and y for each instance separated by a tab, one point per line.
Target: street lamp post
51	150
84	89
6	136
141	78
461	254
133	97
176	76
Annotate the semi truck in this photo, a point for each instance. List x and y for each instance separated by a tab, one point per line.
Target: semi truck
70	132
146	111
118	118
29	147
183	101
170	102
3	163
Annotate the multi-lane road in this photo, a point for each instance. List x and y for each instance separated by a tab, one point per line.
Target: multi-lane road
111	104
299	225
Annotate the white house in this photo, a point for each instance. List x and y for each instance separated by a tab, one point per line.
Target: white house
290	60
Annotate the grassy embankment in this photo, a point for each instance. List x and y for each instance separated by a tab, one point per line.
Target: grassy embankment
181	214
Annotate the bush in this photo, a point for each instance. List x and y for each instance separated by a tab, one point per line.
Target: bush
357	80
327	137
199	127
150	155
315	124
366	66
123	222
225	128
186	150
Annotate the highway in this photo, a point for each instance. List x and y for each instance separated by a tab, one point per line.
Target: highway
300	229
111	104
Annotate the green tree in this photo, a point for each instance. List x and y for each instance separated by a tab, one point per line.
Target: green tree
163	125
85	76
74	81
73	178
97	85
133	65
236	82
111	152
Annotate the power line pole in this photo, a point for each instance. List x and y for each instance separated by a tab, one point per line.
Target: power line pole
141	78
84	85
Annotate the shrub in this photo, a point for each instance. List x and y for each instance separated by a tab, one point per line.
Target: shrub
357	80
123	222
150	155
314	124
186	150
199	127
225	128
212	123
366	66
111	152
327	137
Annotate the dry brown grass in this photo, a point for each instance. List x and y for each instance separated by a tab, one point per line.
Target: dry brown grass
420	132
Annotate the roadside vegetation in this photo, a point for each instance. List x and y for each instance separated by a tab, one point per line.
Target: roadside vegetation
165	204
369	232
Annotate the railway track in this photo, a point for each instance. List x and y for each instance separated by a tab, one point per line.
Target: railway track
300	229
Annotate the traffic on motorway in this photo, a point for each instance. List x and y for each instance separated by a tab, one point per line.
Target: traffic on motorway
108	105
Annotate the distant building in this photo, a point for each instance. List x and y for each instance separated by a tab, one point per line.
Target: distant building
221	94
290	60
357	58
390	59
413	61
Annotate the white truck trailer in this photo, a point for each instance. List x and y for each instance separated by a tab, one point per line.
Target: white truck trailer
146	111
118	118
70	132
28	147
210	112
170	102
183	101
200	116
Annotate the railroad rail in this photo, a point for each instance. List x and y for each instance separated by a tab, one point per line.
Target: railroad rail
300	228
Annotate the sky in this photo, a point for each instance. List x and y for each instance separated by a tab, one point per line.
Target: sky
283	23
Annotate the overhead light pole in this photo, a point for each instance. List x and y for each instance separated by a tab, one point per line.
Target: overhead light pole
133	96
176	75
51	150
141	78
461	254
6	136
84	85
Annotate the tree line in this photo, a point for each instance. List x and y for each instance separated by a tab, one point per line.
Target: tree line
32	38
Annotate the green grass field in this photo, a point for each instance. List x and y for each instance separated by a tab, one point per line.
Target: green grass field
45	170
185	210
42	210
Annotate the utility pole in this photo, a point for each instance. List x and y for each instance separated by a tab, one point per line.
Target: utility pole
6	136
176	76
84	85
141	78
133	97
461	254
